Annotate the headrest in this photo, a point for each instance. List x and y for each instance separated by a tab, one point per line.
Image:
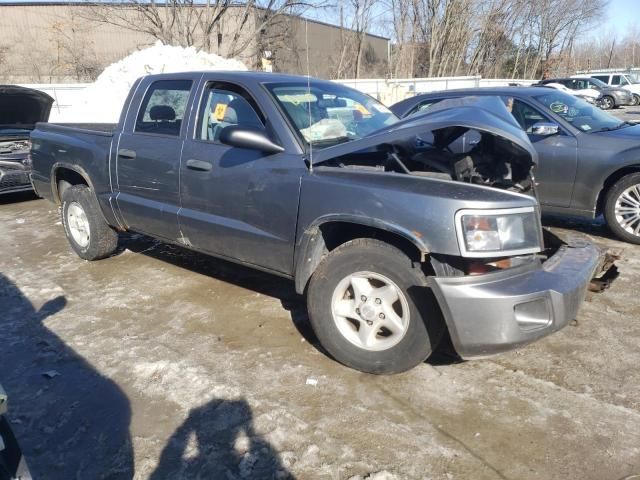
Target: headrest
162	112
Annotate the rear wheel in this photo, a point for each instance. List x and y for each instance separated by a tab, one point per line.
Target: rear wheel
636	100
87	231
371	309
622	208
607	102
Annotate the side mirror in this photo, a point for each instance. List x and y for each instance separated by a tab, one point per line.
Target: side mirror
249	137
545	129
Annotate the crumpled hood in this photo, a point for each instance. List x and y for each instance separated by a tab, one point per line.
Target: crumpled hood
482	113
22	108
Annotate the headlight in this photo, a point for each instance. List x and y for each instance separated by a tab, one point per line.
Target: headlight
494	233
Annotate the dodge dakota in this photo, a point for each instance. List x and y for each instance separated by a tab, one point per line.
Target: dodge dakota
397	231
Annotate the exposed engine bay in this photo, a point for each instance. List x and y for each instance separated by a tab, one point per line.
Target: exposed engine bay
14	147
452	153
472	139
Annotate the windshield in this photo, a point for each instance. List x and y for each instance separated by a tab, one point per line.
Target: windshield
598	83
579	113
326	114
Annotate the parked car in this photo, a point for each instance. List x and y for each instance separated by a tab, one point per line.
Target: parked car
589	95
589	161
610	97
319	183
13	466
623	80
20	109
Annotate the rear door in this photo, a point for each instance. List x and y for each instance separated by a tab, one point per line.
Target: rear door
148	157
236	202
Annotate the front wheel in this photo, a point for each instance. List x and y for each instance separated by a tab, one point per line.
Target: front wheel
371	309
607	103
87	231
622	208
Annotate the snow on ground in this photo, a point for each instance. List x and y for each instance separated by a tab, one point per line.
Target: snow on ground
102	101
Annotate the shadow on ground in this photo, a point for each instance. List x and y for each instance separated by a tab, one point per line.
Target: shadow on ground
71	421
7	198
218	441
251	279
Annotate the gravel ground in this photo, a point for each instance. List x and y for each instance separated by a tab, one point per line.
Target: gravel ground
162	363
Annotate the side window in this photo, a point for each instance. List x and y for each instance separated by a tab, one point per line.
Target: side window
163	107
424	106
525	115
624	80
615	80
222	107
602	78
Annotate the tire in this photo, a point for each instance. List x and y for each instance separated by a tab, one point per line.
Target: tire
86	229
622	208
636	100
414	320
607	102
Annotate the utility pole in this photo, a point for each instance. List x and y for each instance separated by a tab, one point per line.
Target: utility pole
613	44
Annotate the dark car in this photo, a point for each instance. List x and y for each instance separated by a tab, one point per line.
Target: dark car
12	464
322	184
589	161
610	97
20	109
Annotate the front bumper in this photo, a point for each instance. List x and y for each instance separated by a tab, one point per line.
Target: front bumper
14	176
496	312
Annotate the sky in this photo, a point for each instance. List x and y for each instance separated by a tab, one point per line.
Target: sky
621	15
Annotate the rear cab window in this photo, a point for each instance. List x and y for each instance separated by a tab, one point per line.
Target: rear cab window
163	108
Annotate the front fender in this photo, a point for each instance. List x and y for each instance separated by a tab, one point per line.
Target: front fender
311	247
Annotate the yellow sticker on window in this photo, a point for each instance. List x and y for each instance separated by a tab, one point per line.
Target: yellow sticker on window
362	110
219	111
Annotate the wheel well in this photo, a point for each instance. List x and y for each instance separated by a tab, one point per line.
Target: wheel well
339	233
610	181
329	236
65	178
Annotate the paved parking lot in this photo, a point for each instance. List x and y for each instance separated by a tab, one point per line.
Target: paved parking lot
178	365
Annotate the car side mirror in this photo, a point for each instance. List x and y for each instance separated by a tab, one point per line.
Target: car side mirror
249	137
545	129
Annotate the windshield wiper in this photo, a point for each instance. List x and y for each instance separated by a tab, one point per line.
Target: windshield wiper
616	127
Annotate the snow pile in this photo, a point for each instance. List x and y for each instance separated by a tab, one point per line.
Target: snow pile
102	101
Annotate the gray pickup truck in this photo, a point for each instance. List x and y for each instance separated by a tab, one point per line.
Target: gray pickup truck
319	183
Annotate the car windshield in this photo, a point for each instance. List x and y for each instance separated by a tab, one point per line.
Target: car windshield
579	113
326	114
598	83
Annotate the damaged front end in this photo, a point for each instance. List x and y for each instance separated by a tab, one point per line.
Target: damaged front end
472	140
20	109
511	282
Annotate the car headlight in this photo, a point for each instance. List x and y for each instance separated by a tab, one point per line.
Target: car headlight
494	233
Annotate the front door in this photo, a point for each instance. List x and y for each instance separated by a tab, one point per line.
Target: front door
148	160
557	157
236	202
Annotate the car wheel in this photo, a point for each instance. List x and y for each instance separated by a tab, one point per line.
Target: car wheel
607	102
371	308
622	208
636	100
87	231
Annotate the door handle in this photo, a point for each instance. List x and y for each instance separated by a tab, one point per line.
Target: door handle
198	165
128	154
